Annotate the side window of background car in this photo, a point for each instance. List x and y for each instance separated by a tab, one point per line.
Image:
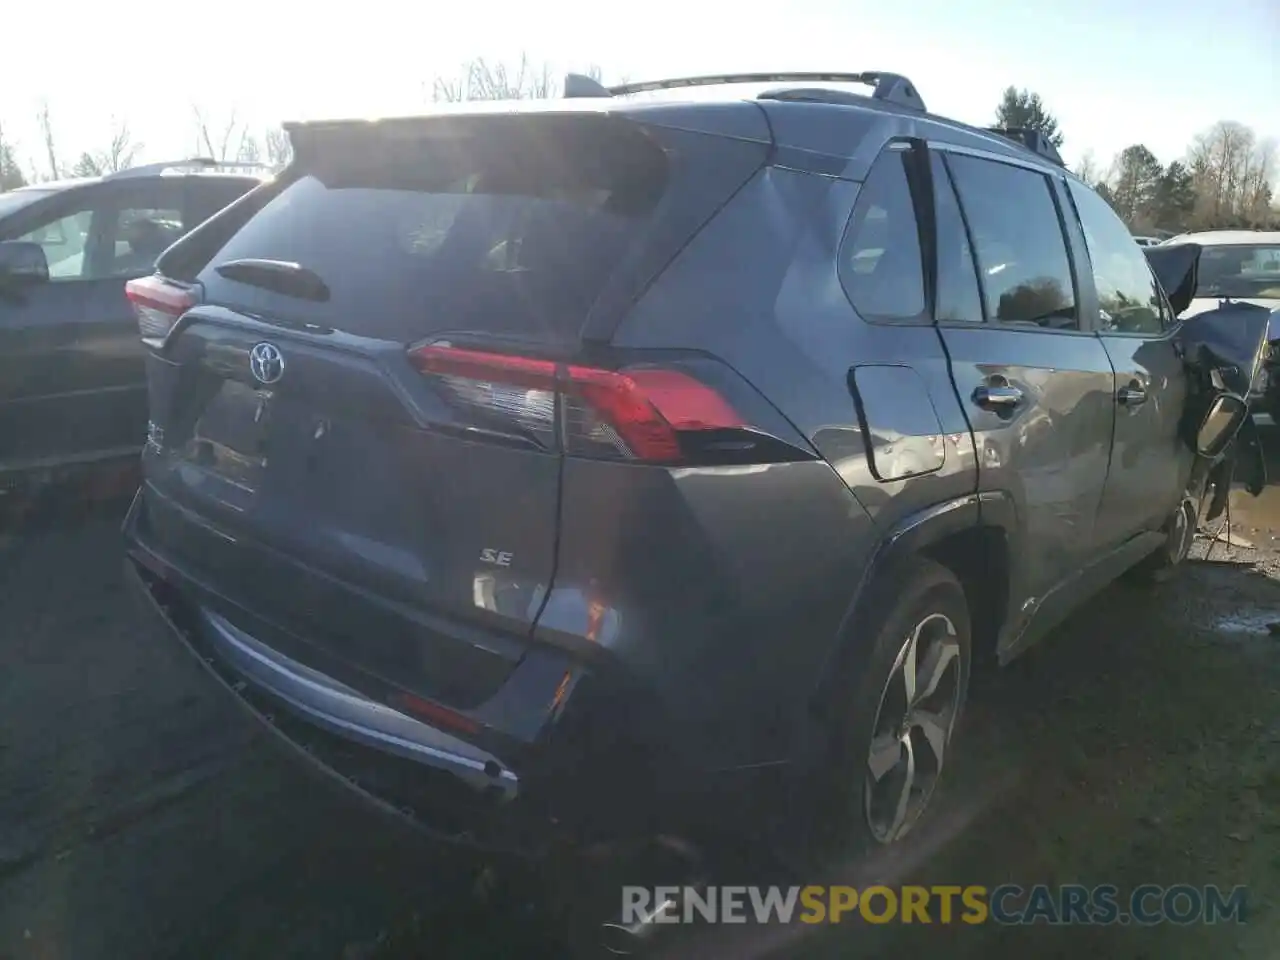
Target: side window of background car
65	241
141	235
207	197
1129	299
1017	236
958	296
880	265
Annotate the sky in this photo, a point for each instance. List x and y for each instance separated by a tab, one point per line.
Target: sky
1113	72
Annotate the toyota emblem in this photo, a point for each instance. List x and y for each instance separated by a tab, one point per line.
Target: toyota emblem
266	363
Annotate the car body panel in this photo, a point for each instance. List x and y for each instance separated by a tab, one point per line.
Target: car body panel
1150	460
276	465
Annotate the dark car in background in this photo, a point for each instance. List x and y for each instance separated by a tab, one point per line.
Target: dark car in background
72	377
581	464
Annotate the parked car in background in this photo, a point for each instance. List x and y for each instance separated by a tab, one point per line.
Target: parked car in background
1242	266
1147	241
603	466
72	377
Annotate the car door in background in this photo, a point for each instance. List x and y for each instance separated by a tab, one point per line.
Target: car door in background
1150	464
133	224
38	393
1035	382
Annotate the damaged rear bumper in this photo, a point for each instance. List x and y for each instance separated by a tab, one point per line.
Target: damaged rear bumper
584	778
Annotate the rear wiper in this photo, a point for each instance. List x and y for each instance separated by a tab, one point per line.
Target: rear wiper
278	276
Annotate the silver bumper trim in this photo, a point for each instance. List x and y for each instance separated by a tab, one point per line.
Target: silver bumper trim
352	715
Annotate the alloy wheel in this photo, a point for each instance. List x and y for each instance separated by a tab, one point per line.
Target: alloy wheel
912	729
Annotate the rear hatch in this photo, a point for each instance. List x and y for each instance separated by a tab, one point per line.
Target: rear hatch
338	446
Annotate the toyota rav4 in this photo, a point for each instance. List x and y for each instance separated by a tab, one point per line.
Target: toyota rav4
614	463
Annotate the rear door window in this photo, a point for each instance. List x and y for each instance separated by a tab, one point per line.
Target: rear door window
65	240
506	227
958	296
140	234
1018	241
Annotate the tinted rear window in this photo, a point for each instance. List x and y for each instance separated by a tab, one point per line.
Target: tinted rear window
1239	270
505	225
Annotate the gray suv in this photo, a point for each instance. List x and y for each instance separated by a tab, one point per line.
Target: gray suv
610	464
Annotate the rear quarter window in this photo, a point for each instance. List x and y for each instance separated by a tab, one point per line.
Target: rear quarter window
880	261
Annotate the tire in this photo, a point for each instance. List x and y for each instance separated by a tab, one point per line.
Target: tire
919	613
1180	533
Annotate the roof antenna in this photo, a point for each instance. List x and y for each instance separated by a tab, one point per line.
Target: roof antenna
580	85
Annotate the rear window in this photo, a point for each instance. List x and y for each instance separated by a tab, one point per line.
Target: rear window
500	225
1239	270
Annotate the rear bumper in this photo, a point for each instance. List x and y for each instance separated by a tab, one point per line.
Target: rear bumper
349	756
348	713
581	780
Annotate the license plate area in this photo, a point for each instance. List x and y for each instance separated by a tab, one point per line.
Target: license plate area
231	437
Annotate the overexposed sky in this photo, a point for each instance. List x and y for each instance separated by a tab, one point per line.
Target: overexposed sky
1115	72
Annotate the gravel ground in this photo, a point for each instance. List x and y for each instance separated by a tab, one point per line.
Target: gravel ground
142	816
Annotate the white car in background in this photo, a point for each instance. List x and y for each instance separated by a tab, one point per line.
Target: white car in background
1242	266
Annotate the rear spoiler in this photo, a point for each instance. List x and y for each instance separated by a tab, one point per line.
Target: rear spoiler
188	165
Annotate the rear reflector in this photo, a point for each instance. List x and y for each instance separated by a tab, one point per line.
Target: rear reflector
433	713
633	414
158	305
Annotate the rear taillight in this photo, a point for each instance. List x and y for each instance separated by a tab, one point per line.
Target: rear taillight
639	413
158	305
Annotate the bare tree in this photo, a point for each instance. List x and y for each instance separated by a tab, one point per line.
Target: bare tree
46	134
1257	182
1088	169
121	149
1215	160
10	173
279	150
117	155
1232	172
221	141
249	151
481	80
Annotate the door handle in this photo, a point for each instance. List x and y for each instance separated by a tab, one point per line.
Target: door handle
1134	395
997	397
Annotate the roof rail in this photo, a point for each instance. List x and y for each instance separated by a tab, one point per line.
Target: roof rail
197	163
1033	140
889	87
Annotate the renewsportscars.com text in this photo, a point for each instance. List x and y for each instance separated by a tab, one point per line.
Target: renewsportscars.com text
1008	904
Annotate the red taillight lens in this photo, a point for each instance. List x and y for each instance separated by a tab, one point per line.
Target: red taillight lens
639	413
158	305
635	414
